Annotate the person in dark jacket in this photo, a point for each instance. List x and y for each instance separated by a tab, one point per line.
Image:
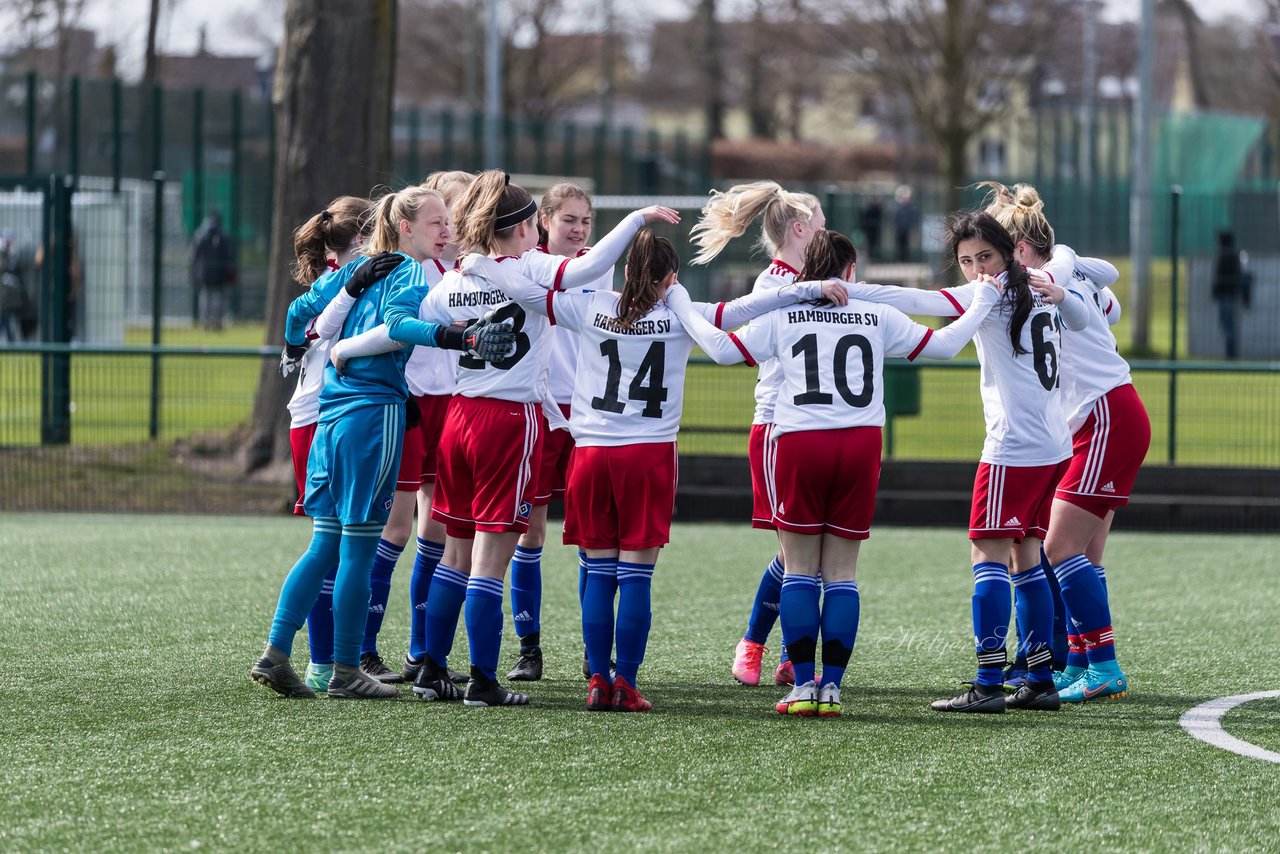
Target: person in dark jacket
1230	291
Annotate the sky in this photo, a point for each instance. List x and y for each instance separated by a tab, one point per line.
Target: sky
245	26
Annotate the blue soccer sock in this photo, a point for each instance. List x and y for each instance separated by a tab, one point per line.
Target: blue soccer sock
992	601
526	591
484	623
1086	599
764	610
635	616
351	590
424	566
1102	576
384	563
302	585
841	606
1059	642
801	621
444	606
597	610
1033	603
582	576
320	622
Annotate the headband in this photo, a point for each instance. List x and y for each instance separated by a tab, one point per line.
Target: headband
507	220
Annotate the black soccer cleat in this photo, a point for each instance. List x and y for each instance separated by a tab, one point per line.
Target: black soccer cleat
372	663
432	682
977	699
529	666
410	668
280	678
483	691
1037	696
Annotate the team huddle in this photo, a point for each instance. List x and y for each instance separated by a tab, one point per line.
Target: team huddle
463	355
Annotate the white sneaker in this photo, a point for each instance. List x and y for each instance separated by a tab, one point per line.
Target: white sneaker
802	701
829	701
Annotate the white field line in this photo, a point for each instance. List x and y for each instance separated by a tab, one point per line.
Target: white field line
1205	723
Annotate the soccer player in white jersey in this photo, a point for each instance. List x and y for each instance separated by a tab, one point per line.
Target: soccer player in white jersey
789	221
492	438
625	414
1023	458
1111	433
325	242
826	459
564	226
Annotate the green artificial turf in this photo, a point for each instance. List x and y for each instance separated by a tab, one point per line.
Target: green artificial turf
128	721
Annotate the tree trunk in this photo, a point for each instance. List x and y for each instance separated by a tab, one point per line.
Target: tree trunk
332	104
712	67
150	70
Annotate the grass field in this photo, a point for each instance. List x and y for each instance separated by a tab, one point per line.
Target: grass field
129	722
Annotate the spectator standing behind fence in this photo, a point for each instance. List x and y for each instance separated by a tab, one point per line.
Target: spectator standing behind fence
213	269
905	216
1231	286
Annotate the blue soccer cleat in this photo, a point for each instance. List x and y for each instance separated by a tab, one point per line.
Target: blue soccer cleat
1107	683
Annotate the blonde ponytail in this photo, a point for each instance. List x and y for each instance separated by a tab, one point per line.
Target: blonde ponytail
390	211
482	211
727	215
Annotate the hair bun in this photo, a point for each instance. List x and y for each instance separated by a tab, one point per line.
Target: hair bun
325	215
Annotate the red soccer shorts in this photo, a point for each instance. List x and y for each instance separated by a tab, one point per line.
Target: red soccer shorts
825	481
1108	450
488	459
409	478
433	408
760	453
300	447
620	496
557	446
1013	502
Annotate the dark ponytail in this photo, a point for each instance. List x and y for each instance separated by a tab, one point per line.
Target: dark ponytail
1017	289
827	256
649	262
334	229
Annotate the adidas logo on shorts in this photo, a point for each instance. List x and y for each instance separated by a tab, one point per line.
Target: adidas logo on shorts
1109	486
1013	523
781	509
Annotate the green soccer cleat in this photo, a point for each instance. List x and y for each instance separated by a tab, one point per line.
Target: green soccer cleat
318	676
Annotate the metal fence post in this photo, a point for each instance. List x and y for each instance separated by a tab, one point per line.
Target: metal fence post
31	123
197	189
1175	199
57	313
73	131
157	289
415	164
117	132
446	139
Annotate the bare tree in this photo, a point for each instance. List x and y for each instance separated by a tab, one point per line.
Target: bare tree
150	66
707	47
332	105
47	24
955	63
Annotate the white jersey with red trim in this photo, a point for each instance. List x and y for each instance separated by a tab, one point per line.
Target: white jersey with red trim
304	405
769	378
564	346
1020	398
431	370
1091	364
630	382
830	361
522	376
